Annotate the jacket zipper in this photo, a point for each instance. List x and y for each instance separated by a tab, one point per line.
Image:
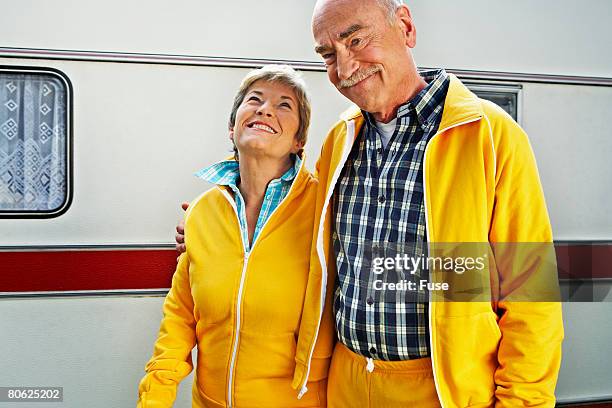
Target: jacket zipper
238	302
247	254
427	229
237	338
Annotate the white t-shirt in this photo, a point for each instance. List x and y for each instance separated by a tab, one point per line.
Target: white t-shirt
386	131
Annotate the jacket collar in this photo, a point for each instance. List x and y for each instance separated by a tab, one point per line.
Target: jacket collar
227	172
461	105
297	176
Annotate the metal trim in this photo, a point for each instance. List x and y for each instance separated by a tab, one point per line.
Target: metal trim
584	400
144	58
85	293
466	74
583	242
585	280
231	62
171	246
95	247
489	87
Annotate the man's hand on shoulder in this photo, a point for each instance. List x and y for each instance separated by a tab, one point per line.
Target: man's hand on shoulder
180	232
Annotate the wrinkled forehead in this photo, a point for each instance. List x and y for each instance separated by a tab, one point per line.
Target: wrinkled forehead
334	19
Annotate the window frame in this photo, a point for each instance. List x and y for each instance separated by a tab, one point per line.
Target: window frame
68	178
516	89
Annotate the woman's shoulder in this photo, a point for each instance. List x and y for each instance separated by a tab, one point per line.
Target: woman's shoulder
204	201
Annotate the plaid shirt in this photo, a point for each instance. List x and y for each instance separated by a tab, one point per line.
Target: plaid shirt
378	201
227	173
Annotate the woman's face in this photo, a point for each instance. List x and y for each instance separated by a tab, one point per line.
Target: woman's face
267	121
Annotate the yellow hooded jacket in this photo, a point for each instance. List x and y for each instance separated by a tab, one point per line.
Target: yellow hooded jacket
242	310
481	185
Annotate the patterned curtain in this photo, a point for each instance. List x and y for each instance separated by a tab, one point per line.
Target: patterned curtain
32	142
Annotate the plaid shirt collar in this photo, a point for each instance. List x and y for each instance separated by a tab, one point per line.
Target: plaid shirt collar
227	173
424	103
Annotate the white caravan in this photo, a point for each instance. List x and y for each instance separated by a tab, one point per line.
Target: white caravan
137	96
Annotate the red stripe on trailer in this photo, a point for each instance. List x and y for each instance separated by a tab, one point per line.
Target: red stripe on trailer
33	271
584	260
111	269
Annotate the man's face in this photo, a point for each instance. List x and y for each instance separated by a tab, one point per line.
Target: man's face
366	56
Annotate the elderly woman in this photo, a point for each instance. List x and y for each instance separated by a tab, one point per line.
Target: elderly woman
242	291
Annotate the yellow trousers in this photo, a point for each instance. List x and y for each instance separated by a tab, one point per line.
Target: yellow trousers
384	384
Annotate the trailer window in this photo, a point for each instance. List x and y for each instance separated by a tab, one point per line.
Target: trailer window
35	142
507	97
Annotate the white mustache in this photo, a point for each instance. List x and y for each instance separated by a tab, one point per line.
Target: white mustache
359	76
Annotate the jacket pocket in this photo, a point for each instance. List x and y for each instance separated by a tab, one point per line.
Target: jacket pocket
466	353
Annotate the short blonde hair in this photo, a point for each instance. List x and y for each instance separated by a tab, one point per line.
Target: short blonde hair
285	75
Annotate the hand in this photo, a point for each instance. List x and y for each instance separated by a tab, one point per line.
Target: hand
180	232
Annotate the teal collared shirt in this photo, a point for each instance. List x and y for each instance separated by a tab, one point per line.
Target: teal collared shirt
227	173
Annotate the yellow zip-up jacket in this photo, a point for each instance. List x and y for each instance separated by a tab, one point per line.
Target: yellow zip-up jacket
242	310
481	185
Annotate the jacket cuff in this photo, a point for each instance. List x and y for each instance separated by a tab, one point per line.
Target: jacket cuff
298	375
147	400
319	367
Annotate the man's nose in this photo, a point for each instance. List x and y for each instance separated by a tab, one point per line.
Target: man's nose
346	65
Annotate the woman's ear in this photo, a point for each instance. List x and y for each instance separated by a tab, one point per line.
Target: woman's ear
297	146
231	134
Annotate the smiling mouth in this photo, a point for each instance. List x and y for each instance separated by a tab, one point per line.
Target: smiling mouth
262	126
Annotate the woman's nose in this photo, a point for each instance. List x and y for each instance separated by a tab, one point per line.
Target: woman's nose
264	109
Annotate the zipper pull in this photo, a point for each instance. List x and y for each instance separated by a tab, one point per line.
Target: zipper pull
370	365
302	392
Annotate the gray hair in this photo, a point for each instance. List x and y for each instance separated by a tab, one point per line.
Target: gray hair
390	7
285	75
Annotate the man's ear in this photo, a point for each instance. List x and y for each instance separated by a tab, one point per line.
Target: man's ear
404	19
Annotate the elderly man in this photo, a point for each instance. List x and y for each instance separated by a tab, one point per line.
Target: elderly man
421	160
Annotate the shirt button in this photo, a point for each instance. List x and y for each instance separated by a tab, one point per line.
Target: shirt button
381	199
370	301
372	350
379	150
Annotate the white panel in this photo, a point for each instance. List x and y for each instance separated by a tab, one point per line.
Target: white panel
544	36
585	367
96	348
140	132
239	28
570	132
